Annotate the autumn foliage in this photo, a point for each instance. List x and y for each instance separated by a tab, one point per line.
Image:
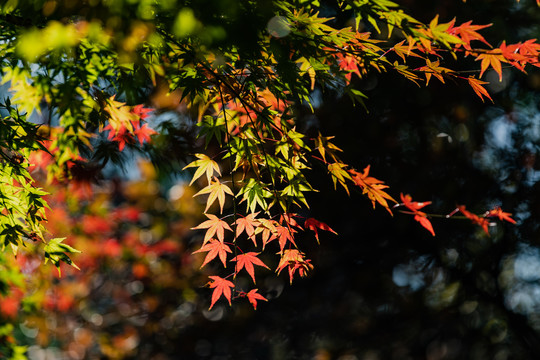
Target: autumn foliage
102	91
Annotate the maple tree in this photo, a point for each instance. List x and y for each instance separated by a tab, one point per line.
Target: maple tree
92	84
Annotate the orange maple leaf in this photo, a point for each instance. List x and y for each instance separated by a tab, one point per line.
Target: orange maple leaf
215	248
492	58
372	187
476	85
221	287
433	68
247	224
246	261
268	230
215	226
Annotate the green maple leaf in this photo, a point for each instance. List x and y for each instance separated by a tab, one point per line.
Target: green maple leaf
254	193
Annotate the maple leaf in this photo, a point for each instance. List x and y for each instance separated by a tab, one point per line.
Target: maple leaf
217	191
403	70
120	115
247	224
246	261
254	193
419	216
468	32
491	58
424	221
294	260
284	234
482	222
289	219
253	296
433	68
476	85
204	165
314	225
439	32
349	64
141	111
215	226
503	216
402	50
221	287
121	135
143	133
215	248
268	230
512	54
530	48
372	187
339	174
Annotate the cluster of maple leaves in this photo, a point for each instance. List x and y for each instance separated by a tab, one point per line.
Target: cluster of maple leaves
431	45
254	127
240	240
260	231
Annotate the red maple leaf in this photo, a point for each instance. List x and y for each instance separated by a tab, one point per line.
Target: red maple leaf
414	206
215	226
221	287
503	216
512	54
419	216
284	234
141	111
143	133
121	135
349	64
314	225
424	221
215	248
253	296
530	49
289	219
482	222
247	261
